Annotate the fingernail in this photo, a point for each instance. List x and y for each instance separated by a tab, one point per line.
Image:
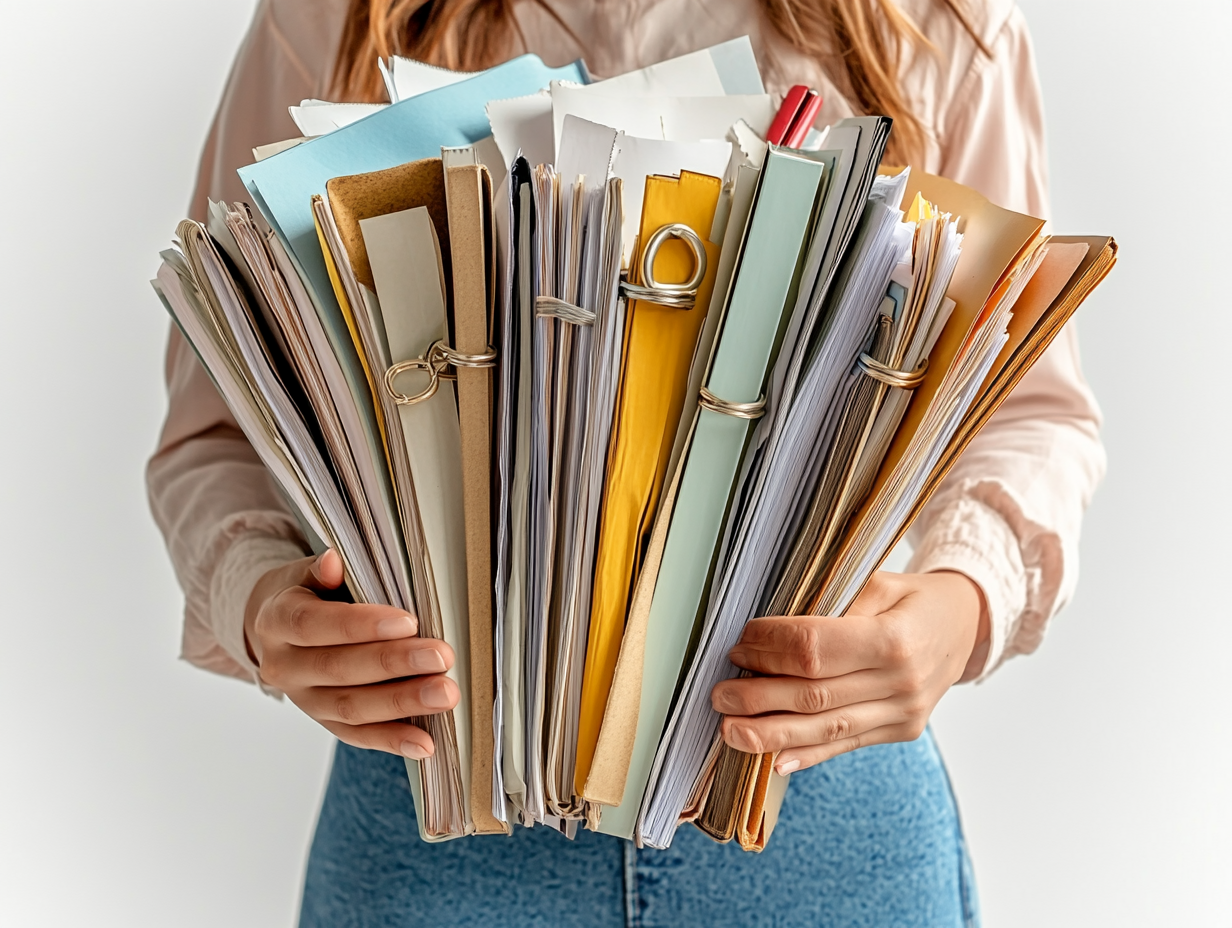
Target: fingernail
736	655
426	660
415	751
788	766
436	695
398	626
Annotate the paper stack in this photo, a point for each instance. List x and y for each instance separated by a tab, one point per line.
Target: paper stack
588	375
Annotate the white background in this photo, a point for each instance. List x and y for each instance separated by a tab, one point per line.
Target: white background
1095	777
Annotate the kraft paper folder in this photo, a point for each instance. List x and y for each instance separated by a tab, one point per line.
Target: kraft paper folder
456	201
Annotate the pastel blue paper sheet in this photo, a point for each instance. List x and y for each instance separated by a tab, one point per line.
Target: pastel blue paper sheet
282	187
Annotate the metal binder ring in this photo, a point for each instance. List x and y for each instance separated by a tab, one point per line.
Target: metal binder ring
551	307
415	364
683	295
455	358
907	380
707	400
436	361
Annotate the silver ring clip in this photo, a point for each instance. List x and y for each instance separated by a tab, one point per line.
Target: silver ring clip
455	358
414	364
436	362
906	380
683	295
754	410
549	307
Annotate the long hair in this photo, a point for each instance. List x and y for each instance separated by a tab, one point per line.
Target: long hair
867	38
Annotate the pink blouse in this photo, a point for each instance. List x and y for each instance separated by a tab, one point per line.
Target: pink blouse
1008	516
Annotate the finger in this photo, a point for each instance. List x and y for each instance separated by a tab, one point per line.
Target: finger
779	731
390	737
802	758
359	664
758	695
381	702
327	570
297	616
809	646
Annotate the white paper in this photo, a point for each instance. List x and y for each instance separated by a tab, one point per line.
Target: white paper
675	118
587	150
638	158
410	78
523	124
319	117
694	74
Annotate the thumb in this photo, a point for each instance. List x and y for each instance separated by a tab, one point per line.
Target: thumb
882	593
326	570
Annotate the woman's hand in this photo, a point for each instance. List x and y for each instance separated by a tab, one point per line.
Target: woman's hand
831	685
357	669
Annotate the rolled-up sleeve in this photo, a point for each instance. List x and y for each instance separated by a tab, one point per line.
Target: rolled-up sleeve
1010	512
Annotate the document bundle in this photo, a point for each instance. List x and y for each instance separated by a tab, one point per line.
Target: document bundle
588	374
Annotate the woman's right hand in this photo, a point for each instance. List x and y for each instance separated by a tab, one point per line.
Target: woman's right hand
359	670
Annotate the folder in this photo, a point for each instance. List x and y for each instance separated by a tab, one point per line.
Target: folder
1000	243
828	334
733	398
454	115
468	189
513	469
999	246
1036	323
658	348
436	437
587	480
606	783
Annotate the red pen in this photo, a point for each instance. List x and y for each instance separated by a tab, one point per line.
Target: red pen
787	114
804	120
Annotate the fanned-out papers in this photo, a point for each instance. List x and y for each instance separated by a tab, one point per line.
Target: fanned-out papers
587	375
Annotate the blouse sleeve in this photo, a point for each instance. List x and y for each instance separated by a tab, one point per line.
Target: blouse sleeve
223	519
1010	512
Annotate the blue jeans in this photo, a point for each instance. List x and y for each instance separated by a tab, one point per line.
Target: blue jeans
871	838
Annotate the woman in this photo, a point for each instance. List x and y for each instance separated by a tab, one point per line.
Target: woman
871	837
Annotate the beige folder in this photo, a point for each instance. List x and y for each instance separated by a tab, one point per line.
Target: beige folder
458	199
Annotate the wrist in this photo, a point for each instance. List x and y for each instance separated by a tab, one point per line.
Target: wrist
975	613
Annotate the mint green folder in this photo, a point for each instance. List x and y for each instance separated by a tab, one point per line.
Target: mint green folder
761	299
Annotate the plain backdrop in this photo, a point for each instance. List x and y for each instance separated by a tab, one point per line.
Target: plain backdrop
1095	777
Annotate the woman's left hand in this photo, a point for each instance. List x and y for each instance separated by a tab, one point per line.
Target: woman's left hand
831	685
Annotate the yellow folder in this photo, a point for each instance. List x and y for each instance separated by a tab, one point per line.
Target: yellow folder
658	351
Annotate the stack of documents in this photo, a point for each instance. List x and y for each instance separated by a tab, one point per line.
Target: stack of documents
588	375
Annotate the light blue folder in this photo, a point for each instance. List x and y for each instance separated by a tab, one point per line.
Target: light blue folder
760	301
283	186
